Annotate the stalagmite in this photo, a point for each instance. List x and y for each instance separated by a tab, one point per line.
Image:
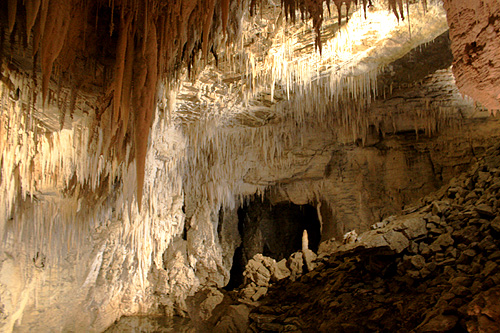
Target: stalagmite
305	241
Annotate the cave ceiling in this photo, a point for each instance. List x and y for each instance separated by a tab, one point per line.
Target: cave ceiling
90	85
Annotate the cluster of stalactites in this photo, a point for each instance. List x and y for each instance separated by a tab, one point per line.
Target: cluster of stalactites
147	40
314	9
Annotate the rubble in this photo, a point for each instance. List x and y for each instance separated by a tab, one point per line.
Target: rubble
434	270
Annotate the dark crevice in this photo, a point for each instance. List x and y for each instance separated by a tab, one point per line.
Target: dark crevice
273	230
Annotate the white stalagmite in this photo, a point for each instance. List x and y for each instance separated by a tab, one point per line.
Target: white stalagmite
305	241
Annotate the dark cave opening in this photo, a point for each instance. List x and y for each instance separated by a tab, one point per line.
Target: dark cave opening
273	230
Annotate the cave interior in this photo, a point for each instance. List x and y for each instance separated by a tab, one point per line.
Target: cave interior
181	165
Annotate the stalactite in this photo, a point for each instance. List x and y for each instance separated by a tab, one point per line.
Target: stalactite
54	34
225	15
12	5
32	8
396	5
145	94
40	26
121	51
207	24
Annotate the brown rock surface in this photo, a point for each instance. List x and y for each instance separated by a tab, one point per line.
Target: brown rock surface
449	285
474	34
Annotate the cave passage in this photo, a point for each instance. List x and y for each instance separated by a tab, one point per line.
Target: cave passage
273	230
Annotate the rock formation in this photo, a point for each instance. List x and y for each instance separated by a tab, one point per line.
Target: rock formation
436	267
150	152
474	29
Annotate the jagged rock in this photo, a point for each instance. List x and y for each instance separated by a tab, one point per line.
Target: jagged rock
259	292
350	237
272	327
485	210
489	268
440	207
424	249
373	239
260	318
442	241
309	257
418	261
414	227
248	291
328	247
295	264
396	240
487	244
495	224
440	323
256	272
379	225
201	304
485	311
280	271
234	320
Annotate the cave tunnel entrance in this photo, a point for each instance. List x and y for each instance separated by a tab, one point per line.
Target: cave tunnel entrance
273	230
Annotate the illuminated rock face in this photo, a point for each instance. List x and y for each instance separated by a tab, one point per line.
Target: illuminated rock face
474	31
354	133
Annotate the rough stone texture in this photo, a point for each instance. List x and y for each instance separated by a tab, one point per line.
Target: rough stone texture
362	164
201	304
449	286
440	323
401	168
280	270
257	272
309	257
396	240
414	227
474	31
235	320
485	310
295	264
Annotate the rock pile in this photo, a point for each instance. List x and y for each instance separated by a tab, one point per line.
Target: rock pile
435	269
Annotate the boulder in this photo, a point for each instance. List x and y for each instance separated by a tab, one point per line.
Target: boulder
440	323
414	227
484	311
396	240
309	257
295	264
234	320
280	271
256	272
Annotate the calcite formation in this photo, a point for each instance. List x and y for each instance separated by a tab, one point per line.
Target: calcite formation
133	131
436	266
